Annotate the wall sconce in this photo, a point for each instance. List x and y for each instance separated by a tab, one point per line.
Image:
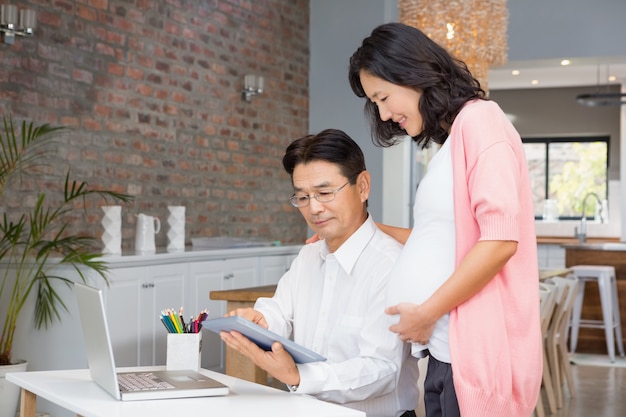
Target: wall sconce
13	22
252	85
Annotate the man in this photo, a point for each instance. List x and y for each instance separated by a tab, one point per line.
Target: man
332	298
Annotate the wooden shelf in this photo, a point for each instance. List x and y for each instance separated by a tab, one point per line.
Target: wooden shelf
244	294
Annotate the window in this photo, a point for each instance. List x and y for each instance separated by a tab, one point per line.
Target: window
566	170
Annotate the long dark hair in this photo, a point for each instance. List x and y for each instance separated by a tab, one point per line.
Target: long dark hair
404	55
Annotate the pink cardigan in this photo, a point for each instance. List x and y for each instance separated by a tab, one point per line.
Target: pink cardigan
495	337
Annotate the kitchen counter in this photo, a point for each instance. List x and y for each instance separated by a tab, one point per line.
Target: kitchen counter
190	254
560	240
246	296
600	246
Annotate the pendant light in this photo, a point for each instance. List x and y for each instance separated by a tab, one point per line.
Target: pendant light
601	98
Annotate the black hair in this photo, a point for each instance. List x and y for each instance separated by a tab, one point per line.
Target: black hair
330	145
404	55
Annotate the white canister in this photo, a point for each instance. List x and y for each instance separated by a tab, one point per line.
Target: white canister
176	228
112	235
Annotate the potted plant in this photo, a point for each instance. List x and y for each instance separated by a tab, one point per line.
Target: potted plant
34	241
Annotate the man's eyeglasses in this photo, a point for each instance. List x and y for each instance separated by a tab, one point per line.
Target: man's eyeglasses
303	200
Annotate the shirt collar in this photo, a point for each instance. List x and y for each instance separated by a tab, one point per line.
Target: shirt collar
349	252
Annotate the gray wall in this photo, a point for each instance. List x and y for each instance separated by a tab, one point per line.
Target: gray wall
337	29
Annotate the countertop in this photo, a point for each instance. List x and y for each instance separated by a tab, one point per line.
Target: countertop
560	240
190	254
605	246
244	294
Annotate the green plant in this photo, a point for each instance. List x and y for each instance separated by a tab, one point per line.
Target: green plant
35	241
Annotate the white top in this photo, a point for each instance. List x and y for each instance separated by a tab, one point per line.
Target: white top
335	304
75	391
427	259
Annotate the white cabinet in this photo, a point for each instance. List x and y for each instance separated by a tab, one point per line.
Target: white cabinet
134	300
551	256
271	268
204	277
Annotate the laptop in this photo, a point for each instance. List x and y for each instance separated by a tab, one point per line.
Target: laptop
132	385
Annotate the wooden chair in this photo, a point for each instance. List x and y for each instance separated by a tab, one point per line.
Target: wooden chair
556	338
547	296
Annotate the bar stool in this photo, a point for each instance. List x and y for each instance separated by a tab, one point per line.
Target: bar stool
605	278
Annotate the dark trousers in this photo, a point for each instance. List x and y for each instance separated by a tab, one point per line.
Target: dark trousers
409	414
439	394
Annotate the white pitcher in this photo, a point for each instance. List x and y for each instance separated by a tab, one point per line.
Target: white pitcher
147	227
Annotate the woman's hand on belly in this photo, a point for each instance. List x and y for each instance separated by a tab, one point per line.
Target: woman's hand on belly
414	325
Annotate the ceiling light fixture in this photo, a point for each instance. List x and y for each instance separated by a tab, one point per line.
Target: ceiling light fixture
601	98
474	31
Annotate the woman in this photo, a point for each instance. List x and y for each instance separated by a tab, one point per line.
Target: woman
465	286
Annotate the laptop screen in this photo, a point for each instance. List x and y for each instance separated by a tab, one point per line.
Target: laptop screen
97	339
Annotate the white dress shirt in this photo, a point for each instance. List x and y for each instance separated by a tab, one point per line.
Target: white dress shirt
333	303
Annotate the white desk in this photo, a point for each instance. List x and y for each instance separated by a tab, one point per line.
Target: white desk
75	391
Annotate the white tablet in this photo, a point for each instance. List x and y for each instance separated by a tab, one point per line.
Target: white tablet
262	337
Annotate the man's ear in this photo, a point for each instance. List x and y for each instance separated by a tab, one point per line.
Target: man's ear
363	185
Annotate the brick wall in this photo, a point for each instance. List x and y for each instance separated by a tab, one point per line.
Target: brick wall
150	91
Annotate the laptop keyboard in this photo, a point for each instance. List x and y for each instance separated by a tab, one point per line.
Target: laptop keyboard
141	382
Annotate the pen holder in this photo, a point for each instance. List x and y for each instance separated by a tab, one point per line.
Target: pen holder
183	351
